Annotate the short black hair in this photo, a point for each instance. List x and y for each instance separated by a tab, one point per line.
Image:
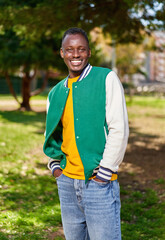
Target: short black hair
73	31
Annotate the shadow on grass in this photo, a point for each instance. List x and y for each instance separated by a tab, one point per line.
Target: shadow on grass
31	204
23	117
142	182
146	155
27	118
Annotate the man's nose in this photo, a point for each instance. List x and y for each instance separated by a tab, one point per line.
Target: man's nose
76	53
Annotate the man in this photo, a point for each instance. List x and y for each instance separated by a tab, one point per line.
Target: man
86	138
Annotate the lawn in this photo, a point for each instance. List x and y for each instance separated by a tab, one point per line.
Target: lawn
29	202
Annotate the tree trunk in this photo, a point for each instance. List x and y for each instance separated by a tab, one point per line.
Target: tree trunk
11	89
25	105
26	89
41	89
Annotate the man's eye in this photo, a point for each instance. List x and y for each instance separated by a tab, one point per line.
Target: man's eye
69	50
82	49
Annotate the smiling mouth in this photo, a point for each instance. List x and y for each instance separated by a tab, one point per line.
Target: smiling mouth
76	62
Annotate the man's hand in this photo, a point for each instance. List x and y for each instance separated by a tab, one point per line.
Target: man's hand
57	173
98	180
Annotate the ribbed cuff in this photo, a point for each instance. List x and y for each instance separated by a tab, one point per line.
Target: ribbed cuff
57	167
53	165
104	174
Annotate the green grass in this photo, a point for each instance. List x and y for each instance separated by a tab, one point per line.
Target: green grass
41	96
143	216
29	204
146	101
143	212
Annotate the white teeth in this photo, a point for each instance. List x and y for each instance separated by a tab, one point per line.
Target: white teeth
76	62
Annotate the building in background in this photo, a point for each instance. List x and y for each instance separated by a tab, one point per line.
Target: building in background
155	60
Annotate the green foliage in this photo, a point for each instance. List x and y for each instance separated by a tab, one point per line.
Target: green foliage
18	3
160	181
128	62
31	31
16	51
123	19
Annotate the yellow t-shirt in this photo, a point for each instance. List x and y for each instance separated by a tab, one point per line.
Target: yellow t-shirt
74	167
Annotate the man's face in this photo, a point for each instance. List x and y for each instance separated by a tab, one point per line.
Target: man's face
75	52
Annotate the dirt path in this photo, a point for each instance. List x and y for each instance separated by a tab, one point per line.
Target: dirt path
143	165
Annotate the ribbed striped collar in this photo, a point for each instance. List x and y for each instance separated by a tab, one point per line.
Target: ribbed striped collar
84	73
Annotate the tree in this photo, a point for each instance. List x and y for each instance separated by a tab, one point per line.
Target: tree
30	30
124	19
129	59
19	54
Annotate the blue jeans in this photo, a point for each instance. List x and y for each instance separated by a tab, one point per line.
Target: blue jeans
89	211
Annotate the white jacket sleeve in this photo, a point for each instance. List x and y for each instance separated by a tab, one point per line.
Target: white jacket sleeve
117	121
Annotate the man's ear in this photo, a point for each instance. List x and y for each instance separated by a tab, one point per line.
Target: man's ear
61	53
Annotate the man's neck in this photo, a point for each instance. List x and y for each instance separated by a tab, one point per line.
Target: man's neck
73	74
